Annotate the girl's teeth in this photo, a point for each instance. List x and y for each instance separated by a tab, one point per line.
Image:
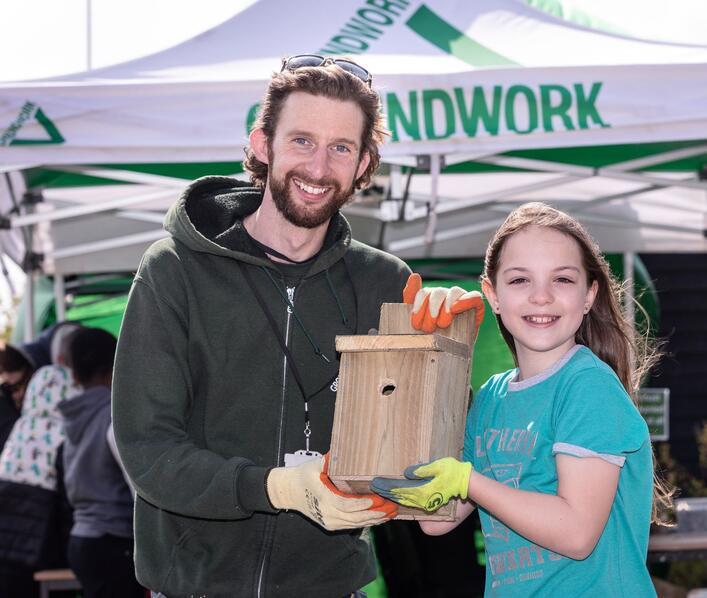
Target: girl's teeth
541	319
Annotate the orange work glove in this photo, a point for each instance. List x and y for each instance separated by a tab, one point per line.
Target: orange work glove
435	307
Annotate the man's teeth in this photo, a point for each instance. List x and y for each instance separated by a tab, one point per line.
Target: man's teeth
310	189
541	319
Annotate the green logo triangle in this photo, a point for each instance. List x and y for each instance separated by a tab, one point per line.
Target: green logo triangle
49	127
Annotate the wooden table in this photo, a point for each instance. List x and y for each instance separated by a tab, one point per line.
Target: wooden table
56	579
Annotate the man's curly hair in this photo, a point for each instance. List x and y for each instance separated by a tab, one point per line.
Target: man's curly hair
331	82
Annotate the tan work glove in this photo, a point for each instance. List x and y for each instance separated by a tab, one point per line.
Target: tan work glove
307	488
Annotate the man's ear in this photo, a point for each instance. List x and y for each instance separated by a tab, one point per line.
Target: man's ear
363	164
259	145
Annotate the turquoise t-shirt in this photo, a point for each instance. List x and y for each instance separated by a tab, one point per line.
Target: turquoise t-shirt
514	430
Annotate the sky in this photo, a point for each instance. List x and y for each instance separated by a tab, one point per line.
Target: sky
43	38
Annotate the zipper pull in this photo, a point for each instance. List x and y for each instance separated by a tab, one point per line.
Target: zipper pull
290	298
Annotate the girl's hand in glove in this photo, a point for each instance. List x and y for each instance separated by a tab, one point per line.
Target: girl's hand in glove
427	486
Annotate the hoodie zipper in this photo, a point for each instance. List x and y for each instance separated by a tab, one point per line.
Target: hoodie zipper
291	297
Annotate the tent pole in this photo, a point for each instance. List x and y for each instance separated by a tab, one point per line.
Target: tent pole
629	305
85	209
29	306
89	37
126	241
59	297
395	182
434	198
29	268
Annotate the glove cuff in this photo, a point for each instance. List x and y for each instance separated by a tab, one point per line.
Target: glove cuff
277	487
265	486
464	494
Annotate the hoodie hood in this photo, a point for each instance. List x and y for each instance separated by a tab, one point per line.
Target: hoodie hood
80	412
208	218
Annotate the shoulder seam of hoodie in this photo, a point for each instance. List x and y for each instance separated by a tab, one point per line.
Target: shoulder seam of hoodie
160	298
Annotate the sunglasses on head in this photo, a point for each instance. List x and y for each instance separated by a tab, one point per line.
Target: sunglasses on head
301	60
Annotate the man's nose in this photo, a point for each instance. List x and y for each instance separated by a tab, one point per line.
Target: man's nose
318	164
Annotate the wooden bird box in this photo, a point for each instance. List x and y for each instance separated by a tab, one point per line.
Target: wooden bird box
402	399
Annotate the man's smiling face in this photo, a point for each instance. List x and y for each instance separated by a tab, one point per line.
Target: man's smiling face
315	158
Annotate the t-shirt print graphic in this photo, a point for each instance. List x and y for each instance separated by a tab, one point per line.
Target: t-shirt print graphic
508	474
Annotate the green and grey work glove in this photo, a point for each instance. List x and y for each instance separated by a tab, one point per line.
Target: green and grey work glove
427	486
307	488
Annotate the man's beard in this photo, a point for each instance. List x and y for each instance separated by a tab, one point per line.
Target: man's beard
304	216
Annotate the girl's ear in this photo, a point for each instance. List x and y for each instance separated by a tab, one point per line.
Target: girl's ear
591	296
259	144
490	295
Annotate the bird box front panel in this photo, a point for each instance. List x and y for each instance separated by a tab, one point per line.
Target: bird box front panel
383	400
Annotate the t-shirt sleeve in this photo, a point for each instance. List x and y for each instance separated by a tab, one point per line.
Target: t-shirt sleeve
595	417
472	424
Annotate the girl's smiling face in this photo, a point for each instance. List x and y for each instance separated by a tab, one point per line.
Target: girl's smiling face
541	293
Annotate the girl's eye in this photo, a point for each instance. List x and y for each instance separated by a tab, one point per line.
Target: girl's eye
565	280
519	280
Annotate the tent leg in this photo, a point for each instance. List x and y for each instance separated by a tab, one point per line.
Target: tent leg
59	297
435	167
395	182
6	273
629	305
30	269
29	306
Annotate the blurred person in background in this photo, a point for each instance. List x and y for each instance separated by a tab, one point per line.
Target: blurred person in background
35	518
15	372
101	542
17	365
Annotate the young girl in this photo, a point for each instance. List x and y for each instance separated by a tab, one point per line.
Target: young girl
556	455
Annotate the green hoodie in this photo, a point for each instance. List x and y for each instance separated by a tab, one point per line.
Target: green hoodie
204	403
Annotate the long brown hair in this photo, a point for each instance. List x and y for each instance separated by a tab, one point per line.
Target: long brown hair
604	329
331	82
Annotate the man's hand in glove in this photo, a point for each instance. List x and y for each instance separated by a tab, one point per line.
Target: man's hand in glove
307	488
435	307
427	486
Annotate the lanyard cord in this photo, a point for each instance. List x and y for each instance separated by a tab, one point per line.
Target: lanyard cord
344	319
273	325
283	345
317	350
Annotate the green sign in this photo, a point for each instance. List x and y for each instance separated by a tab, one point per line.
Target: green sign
436	113
654	405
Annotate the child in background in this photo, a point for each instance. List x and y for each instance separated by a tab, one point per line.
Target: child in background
29	455
101	541
35	518
556	455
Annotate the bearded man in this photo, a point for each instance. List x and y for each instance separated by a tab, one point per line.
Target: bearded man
226	370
